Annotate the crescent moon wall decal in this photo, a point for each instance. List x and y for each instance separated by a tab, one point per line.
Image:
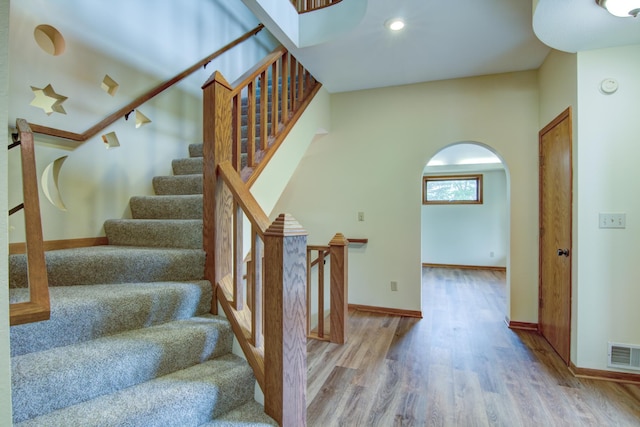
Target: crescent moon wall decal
50	183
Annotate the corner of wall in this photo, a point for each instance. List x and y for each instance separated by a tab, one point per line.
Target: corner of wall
5	360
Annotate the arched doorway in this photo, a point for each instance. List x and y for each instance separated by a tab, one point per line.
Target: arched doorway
463	233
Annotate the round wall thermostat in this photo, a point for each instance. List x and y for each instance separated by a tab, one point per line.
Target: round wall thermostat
609	86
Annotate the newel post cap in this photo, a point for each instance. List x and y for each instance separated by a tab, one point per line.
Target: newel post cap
339	240
285	225
217	77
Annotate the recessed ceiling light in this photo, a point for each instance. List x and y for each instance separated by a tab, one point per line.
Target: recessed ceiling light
395	24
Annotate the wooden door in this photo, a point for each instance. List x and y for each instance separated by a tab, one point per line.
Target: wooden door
554	312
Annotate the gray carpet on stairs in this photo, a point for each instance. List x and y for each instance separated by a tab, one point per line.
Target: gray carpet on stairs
130	341
83	313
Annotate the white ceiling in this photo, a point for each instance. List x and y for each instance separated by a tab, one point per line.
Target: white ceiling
451	39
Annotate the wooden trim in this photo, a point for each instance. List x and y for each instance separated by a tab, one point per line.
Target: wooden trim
282	135
462	177
353	241
465	267
113	117
521	326
597	374
385	310
52	245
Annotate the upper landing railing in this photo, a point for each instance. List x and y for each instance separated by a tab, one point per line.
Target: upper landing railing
310	5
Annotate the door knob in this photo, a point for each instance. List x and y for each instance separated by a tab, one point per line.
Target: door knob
562	252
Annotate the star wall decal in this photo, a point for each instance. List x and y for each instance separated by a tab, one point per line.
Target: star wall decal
47	99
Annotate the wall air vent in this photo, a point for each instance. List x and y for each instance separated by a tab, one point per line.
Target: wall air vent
624	356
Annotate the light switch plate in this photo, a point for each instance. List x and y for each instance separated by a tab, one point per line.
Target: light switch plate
612	220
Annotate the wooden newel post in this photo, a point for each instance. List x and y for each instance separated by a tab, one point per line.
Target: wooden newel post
285	310
338	251
217	200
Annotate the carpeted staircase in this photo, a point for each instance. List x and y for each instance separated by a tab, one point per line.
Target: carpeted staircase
130	341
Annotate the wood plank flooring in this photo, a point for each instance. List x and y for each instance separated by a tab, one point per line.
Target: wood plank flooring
458	366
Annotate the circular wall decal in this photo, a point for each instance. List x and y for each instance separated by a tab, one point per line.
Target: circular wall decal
49	39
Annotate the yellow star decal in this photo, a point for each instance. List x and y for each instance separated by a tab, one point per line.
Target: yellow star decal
47	99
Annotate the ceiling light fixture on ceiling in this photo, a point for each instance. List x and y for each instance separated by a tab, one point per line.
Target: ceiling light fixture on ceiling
621	8
395	24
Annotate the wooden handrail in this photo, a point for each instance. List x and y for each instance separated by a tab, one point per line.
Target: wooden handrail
304	6
38	306
244	198
100	126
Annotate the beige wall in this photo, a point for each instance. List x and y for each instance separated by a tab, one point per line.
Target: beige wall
372	162
607	181
5	360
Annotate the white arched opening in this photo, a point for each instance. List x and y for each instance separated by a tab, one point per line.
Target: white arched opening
468	235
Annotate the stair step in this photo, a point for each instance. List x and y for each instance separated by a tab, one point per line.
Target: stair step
251	414
189	397
167	207
61	377
82	313
180	184
159	233
195	150
187	166
113	264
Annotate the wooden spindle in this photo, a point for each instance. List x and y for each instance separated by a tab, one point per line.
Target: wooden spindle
237	133
251	124
285	88
321	294
285	353
264	101
309	308
238	258
275	86
256	291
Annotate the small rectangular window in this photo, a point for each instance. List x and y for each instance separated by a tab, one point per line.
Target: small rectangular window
455	189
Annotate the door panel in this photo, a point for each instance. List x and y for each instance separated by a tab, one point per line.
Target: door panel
554	315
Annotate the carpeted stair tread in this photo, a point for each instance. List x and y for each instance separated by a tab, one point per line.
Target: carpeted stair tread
167	207
187	166
82	313
64	376
189	397
113	264
165	233
251	414
178	184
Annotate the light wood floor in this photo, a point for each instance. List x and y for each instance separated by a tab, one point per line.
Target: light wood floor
458	366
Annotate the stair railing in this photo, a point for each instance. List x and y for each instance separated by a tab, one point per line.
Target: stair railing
303	6
78	138
266	102
271	331
336	251
38	306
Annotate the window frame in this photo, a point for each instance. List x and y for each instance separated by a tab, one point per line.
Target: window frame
461	177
